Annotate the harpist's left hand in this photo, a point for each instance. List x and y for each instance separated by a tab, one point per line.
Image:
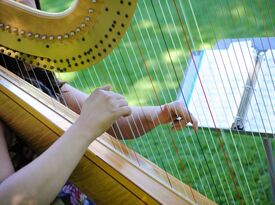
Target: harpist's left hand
176	113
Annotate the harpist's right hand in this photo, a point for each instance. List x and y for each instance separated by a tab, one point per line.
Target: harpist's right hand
100	110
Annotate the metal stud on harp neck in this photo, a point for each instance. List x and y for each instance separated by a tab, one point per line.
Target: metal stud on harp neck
79	31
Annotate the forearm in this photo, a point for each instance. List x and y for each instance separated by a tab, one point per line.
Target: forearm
40	181
142	120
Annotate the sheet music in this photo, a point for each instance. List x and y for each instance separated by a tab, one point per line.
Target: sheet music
223	77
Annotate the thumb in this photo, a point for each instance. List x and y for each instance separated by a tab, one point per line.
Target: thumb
106	87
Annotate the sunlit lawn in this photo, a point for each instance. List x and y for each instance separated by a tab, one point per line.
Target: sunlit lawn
208	22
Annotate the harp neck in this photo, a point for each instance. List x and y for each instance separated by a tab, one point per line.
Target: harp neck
70	40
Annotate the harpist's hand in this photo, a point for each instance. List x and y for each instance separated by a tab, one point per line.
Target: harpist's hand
100	110
177	113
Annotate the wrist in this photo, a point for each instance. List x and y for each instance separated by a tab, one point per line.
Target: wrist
82	133
159	115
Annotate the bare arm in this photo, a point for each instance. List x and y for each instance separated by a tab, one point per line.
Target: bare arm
40	181
142	119
146	118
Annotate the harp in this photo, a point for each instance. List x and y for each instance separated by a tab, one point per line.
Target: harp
218	161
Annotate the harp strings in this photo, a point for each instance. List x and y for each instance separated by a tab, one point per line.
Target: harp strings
160	68
257	81
254	139
205	137
200	146
158	80
164	145
234	164
205	95
261	96
217	131
119	67
82	79
170	58
121	88
158	99
223	86
119	130
139	103
177	79
241	137
237	149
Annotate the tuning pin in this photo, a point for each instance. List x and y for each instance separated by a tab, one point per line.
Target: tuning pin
51	37
77	30
22	32
72	33
7	28
29	34
91	11
36	35
1	26
14	30
43	37
66	35
87	18
59	37
83	25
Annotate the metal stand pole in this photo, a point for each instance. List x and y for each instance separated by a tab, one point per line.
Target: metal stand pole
271	165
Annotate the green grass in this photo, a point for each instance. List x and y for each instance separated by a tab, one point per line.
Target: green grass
125	71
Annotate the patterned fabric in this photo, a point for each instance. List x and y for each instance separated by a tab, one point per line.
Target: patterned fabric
71	195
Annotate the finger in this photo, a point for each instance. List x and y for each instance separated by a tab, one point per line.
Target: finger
121	103
119	96
191	119
124	111
194	123
106	87
178	125
115	95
